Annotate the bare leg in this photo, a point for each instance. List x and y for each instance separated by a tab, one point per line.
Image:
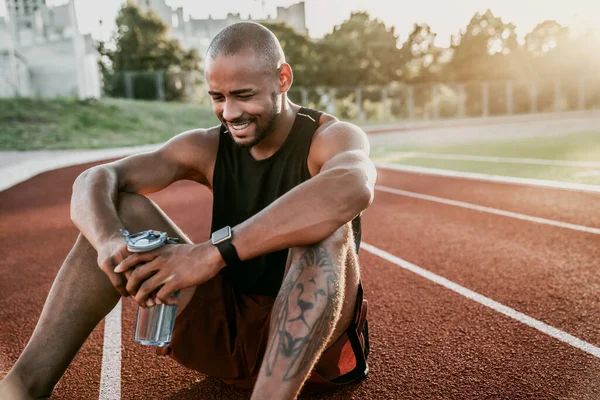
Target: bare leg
341	248
314	306
80	297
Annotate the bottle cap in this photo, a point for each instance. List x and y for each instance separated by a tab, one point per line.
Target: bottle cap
144	241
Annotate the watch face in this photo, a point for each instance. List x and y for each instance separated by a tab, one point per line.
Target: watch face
221	235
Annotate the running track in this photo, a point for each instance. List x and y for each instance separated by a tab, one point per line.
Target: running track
428	342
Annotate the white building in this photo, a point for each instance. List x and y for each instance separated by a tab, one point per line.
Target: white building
43	54
13	64
197	33
22	12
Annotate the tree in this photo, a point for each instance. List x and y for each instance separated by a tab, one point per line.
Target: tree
556	53
300	53
486	49
361	51
418	56
141	43
545	37
559	57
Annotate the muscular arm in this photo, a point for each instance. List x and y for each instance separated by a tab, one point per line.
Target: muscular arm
341	189
96	191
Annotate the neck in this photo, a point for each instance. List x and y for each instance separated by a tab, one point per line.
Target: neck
268	146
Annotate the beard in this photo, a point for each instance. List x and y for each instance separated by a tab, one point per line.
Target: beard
260	131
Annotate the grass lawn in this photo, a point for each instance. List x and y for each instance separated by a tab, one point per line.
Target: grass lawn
36	124
583	146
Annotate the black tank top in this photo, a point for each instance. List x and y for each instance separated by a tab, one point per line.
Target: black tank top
243	186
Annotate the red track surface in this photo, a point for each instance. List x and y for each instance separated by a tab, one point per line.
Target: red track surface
427	341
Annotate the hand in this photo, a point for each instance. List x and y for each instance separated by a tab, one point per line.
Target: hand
113	252
170	268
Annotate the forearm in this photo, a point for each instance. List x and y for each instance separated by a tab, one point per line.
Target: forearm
304	315
305	215
93	205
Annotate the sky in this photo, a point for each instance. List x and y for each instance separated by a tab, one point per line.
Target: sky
444	16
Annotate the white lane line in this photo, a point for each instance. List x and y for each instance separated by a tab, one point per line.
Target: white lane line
586	173
507	160
490	210
494	305
491	178
110	378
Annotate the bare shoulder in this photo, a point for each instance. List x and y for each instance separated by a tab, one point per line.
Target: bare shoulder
343	133
334	137
193	141
338	135
191	144
191	153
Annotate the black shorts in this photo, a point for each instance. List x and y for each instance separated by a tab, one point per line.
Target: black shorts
224	334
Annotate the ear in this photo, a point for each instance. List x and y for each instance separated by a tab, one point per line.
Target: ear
286	77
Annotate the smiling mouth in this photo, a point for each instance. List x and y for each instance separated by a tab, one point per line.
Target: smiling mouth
239	127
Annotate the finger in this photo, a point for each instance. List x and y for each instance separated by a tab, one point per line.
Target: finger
119	255
133	260
118	282
138	276
148	287
172	300
150	302
128	274
166	294
106	265
153	298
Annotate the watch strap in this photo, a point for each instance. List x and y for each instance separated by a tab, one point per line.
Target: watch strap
228	252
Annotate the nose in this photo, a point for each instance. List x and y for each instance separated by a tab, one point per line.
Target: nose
231	110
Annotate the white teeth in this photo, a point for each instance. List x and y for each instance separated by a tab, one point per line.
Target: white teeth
239	127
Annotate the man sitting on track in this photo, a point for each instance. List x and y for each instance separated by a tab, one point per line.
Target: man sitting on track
291	183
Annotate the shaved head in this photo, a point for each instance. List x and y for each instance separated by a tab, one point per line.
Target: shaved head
247	79
248	36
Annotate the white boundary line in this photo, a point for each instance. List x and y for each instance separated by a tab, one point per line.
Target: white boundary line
491	178
494	305
490	210
110	378
586	173
509	160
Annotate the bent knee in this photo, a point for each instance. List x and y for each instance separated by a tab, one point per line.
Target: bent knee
341	239
133	208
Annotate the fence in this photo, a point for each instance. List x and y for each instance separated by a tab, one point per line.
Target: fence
452	100
390	103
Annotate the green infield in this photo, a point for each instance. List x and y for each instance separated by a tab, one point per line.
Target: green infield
569	158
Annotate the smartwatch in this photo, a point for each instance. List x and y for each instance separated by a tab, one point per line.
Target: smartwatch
221	239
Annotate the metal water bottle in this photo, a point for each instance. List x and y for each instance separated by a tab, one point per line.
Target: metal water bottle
153	325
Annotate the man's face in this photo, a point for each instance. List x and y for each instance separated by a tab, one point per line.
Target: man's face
245	96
